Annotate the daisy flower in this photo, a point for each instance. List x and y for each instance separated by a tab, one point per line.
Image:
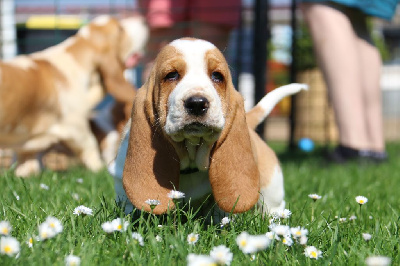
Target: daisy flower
79	180
284	214
192	238
315	197
44	186
119	224
83	210
225	221
281	230
75	196
45	231
158	238
5	228
298	232
342	220
174	194
303	240
108	227
271	236
30	242
222	255
312	252
72	260
251	244
54	224
378	260
361	200
9	246
366	236
138	238
287	240
197	260
152	202
353	217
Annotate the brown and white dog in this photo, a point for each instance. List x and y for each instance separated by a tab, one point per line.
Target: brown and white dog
189	132
46	97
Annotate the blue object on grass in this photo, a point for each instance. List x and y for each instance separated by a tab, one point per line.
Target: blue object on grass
306	144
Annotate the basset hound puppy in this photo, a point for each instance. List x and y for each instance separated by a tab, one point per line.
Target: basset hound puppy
189	132
46	97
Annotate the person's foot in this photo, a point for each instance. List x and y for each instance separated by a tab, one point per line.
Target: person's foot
343	154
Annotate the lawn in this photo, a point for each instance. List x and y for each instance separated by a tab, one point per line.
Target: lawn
26	203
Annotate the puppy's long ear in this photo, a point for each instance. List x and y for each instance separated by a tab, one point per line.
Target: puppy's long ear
234	175
151	166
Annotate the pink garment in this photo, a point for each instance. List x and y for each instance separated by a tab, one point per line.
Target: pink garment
164	13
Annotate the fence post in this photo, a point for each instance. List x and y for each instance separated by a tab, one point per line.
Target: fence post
260	35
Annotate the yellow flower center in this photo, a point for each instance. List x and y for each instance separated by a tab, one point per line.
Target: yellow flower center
30	240
313	254
298	233
119	227
52	225
284	240
7	249
4	231
361	202
243	243
192	239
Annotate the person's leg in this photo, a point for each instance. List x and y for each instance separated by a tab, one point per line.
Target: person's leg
371	64
337	51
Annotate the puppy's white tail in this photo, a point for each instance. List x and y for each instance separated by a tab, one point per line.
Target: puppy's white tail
259	112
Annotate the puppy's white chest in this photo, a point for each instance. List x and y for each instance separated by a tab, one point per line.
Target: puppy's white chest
196	186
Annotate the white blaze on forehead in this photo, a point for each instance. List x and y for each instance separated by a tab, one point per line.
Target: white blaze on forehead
99	21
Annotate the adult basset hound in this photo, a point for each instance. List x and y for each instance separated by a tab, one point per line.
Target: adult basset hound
46	97
189	132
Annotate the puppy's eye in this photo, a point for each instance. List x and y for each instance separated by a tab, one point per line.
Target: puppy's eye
172	76
217	76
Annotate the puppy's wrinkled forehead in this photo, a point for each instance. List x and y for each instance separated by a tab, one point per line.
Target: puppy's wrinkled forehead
192	50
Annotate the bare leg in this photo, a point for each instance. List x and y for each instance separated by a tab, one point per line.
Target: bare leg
371	64
338	52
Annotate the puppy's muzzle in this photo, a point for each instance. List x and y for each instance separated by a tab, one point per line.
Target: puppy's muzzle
196	105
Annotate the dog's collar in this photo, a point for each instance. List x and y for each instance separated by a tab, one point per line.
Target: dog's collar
188	171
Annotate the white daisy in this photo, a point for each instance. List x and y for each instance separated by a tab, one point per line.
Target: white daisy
361	200
222	255
152	202
366	236
45	231
314	196
72	260
192	238
312	252
342	220
54	224
44	186
83	210
107	227
79	180
272	236
378	261
298	231
138	238
225	221
252	243
353	217
284	214
158	238
174	194
303	240
9	246
287	240
197	260
281	230
119	224
5	228
30	242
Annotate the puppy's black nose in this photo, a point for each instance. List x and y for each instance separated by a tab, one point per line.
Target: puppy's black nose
196	105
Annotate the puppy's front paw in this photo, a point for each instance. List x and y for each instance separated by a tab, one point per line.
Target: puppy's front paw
92	161
28	168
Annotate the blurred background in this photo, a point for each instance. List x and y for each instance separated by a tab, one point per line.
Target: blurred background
269	47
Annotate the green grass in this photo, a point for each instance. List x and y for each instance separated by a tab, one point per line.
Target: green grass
341	242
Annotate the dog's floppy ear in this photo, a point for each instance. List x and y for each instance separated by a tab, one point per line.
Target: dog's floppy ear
233	172
151	166
112	74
